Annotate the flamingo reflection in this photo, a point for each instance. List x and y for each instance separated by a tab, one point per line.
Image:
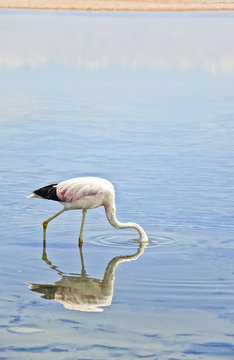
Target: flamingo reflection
79	291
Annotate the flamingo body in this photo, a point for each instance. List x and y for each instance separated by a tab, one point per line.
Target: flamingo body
85	193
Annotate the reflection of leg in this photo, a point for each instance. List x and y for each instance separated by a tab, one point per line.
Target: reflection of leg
81	229
46	222
48	262
83	272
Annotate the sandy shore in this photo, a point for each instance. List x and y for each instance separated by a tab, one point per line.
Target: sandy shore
121	5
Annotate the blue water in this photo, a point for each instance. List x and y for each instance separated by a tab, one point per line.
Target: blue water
146	101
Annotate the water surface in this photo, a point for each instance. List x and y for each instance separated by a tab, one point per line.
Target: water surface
145	100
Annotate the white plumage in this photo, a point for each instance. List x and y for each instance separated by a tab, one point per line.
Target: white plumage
85	193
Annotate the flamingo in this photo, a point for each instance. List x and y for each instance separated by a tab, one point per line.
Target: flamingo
85	193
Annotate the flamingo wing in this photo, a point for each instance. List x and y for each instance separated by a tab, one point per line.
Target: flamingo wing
77	189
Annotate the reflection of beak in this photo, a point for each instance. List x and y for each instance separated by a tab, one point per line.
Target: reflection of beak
32	196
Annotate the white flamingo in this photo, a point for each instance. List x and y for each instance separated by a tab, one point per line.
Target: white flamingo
85	193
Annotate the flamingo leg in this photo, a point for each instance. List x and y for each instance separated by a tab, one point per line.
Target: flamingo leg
46	222
81	229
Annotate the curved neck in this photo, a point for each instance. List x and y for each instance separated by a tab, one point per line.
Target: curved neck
111	216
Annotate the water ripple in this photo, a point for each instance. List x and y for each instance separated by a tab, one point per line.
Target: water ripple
123	241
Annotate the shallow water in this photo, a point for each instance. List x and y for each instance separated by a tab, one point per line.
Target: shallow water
145	100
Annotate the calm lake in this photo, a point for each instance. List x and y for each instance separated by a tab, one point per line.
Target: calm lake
146	101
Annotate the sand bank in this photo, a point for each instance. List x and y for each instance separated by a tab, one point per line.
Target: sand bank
121	5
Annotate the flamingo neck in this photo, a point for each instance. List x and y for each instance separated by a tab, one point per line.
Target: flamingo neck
111	216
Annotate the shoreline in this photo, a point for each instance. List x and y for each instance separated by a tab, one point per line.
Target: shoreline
119	5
